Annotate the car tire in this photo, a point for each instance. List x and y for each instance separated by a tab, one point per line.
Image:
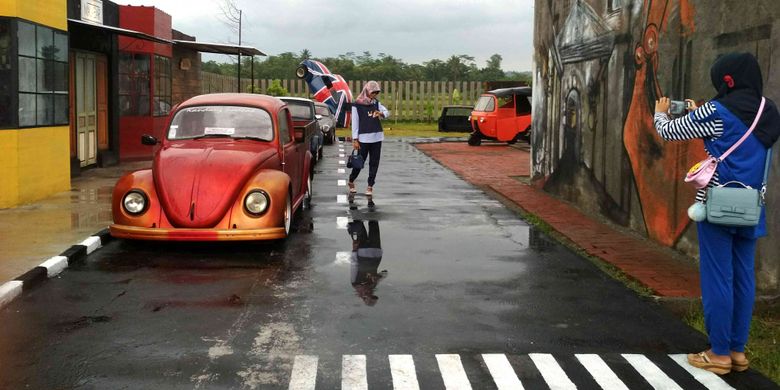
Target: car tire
309	192
319	157
301	72
288	216
475	139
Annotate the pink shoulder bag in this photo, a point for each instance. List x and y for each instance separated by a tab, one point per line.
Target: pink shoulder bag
701	173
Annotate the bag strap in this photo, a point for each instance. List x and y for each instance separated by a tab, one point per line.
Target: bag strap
766	173
744	137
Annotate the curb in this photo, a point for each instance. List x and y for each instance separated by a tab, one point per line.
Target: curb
52	267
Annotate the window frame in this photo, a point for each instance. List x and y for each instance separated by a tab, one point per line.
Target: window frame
162	80
134	77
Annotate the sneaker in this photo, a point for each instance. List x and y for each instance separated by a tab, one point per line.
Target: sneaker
352	189
370	190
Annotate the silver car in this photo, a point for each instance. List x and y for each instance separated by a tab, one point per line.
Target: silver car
326	121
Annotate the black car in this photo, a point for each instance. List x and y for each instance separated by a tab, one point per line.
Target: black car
326	121
455	118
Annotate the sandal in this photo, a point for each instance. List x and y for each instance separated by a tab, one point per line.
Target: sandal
370	191
702	360
740	365
352	189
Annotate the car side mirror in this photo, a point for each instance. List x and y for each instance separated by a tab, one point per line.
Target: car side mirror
318	116
298	134
147	139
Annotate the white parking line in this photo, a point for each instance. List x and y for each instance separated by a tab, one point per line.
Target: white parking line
652	374
342	222
710	380
343	258
341	199
353	372
403	372
342	170
601	372
502	372
342	162
342	183
552	373
342	155
452	372
304	375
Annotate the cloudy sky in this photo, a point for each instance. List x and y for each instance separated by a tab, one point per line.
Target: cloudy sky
412	30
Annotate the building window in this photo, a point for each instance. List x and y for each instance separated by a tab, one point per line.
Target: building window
43	75
134	84
162	85
7	112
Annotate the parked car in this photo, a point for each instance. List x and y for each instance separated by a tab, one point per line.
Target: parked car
327	88
326	121
455	118
230	167
502	115
303	116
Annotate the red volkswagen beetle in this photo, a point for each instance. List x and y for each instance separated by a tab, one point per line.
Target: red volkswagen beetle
230	167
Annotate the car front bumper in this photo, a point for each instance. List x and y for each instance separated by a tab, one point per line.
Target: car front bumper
155	234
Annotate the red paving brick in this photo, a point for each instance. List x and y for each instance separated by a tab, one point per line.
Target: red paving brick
497	166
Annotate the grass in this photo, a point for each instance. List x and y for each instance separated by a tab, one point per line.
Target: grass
409	129
762	349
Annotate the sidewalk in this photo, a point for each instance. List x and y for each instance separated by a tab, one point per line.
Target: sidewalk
32	233
498	167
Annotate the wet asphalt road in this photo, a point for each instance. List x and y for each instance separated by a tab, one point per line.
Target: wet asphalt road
458	276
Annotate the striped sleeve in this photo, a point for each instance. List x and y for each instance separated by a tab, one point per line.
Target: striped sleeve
703	122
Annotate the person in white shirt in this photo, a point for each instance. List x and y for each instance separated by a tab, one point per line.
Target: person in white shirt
367	133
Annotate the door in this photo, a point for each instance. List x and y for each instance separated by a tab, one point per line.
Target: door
291	152
86	109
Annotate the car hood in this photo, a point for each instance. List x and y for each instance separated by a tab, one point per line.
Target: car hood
198	182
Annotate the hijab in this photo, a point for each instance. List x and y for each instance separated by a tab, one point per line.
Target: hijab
737	78
364	97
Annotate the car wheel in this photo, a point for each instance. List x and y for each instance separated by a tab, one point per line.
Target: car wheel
287	215
309	192
475	139
301	72
319	157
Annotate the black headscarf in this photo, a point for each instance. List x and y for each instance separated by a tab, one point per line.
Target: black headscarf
737	78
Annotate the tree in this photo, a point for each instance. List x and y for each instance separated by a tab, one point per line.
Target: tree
276	89
493	70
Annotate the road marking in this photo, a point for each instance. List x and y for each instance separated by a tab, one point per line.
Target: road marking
343	258
710	380
652	374
342	170
552	373
55	265
601	372
452	372
342	183
403	372
92	243
341	199
342	155
9	291
502	372
342	222
304	374
342	162
353	372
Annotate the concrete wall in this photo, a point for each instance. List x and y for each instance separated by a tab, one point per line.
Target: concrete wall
599	66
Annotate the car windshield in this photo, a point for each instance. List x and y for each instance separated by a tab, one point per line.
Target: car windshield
485	104
322	110
458	111
221	121
300	110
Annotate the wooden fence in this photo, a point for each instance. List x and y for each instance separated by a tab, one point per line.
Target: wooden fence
407	100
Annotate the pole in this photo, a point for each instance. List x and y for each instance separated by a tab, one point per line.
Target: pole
252	70
239	51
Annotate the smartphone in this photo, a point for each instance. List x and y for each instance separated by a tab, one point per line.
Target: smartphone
677	107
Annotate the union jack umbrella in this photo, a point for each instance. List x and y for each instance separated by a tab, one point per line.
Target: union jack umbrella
327	88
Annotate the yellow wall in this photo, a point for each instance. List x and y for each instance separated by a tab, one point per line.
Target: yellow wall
52	13
35	164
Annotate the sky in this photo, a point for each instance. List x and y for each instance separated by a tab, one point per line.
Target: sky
413	30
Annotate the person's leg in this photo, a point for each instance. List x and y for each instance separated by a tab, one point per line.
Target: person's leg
744	291
373	166
374	238
716	271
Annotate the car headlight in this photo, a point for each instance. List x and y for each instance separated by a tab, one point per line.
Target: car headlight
135	202
256	202
325	128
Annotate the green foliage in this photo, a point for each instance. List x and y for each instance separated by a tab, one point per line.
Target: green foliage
456	97
276	89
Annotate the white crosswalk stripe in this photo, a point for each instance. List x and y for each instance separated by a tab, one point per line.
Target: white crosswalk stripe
502	372
341	183
708	379
452	372
353	372
341	199
304	375
342	170
552	373
403	372
601	372
652	374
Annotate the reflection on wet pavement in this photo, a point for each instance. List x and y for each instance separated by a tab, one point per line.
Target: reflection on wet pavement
364	260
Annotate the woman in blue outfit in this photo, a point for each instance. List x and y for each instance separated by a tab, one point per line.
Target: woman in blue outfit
367	133
727	253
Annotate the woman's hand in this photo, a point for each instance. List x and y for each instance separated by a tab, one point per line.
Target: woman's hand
662	105
355	144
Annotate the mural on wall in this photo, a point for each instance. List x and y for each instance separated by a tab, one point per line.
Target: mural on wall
657	165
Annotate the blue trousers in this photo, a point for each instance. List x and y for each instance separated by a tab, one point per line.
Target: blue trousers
370	152
728	285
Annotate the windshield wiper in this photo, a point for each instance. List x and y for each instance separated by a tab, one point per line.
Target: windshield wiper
251	137
211	135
